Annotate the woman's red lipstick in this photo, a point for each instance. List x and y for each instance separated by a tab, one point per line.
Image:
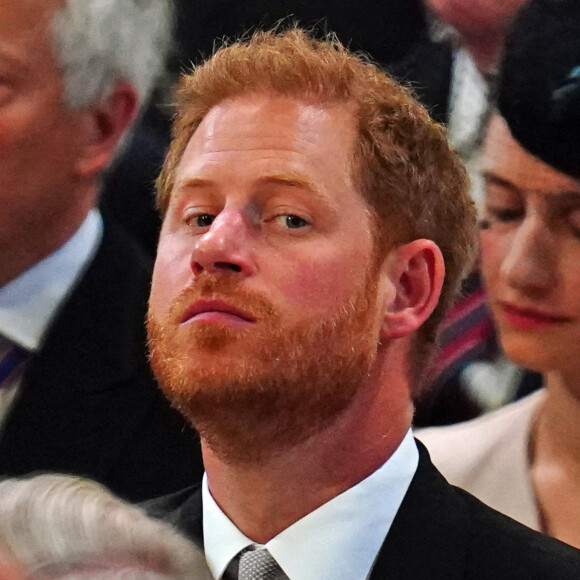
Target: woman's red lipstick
529	318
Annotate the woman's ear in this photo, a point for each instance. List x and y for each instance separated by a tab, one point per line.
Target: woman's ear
415	274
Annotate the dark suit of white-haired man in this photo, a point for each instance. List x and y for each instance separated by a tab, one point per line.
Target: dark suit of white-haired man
77	395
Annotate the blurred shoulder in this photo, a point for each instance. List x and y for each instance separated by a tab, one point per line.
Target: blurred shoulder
480	435
481	455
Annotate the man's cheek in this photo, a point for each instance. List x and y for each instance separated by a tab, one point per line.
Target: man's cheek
318	287
171	275
162	294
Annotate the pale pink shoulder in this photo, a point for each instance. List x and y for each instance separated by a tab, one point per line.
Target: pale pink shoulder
457	447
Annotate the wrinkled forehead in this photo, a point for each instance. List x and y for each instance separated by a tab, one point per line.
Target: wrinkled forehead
27	24
324	132
28	15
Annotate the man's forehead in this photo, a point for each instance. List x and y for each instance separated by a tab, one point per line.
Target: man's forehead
298	112
27	15
283	126
265	145
25	25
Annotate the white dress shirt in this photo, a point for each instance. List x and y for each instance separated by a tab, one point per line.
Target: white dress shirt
29	303
339	540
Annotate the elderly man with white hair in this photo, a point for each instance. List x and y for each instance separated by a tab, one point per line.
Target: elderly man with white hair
57	527
76	394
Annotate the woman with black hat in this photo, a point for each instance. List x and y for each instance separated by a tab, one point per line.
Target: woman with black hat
524	459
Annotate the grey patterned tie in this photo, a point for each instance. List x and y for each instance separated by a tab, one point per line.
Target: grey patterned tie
259	565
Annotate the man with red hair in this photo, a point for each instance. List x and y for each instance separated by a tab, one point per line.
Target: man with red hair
316	227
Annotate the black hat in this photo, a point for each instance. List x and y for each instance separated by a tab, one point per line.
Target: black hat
539	86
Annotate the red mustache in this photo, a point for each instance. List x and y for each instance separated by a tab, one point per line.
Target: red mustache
223	289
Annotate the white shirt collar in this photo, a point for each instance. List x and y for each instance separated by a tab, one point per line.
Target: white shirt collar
28	303
339	540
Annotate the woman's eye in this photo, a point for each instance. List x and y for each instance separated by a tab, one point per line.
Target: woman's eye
292	222
503	214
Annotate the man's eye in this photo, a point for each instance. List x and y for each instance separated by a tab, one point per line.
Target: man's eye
292	222
203	220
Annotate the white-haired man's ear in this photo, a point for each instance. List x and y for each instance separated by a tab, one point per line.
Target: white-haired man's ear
415	273
104	126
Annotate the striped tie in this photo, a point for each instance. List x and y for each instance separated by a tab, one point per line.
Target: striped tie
11	357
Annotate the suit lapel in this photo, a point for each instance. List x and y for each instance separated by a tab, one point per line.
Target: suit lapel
428	539
96	336
429	536
191	518
183	510
75	383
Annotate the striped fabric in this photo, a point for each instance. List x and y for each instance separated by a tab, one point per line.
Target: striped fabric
11	357
467	334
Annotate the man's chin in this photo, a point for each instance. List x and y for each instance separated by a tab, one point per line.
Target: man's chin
250	421
210	337
249	409
254	393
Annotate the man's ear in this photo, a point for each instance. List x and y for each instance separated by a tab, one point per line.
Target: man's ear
415	271
103	126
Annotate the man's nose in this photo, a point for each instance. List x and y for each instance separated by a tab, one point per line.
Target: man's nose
226	246
531	262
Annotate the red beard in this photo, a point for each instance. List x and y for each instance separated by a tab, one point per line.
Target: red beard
260	389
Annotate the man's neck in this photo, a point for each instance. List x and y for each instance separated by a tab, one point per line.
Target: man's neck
264	499
25	243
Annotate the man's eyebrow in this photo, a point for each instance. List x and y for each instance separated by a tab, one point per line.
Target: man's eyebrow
282	178
194	183
301	183
274	178
290	180
184	188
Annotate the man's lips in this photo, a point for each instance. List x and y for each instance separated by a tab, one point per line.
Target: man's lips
529	318
215	310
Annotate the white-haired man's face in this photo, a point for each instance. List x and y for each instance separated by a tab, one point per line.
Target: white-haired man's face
50	156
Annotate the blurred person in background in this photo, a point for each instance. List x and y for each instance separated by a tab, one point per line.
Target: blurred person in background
76	392
57	527
475	30
458	69
524	460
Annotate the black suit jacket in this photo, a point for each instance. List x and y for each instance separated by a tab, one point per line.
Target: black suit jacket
428	69
89	404
439	533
